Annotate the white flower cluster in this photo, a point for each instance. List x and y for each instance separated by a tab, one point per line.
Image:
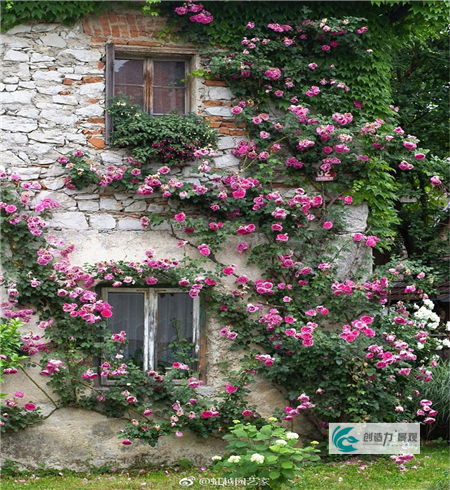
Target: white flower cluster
257	458
426	314
291	435
234	459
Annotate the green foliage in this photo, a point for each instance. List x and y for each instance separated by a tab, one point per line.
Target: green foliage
267	453
438	390
169	139
15	418
421	91
10	345
67	12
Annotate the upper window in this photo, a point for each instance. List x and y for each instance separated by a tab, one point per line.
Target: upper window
157	85
162	325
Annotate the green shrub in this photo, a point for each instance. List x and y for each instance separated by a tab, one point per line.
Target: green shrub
267	454
169	139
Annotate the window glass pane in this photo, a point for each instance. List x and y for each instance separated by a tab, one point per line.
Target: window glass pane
129	72
167	100
169	73
135	94
128	315
174	335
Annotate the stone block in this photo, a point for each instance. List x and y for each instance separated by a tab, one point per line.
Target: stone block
53	183
102	221
226	161
17	97
38	58
87	205
355	218
17	124
92	110
20	29
226	143
69	220
136	206
65	99
110	204
50	76
13	55
10	159
59	118
129	224
49	136
218	111
219	93
54	40
10	88
11	80
63	199
92	89
27	173
85	55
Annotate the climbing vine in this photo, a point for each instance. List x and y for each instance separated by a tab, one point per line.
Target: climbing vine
303	127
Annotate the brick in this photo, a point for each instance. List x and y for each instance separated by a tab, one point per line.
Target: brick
97	142
98	39
214	124
228	124
115	31
96	120
212	118
64	92
213	103
68	81
52	68
92	131
215	83
92	79
93	101
105	26
100	65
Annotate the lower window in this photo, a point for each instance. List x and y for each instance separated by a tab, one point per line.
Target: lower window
162	325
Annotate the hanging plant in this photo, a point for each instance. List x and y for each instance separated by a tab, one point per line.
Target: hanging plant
170	139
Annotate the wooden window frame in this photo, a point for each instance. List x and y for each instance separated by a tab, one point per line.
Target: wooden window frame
164	53
151	319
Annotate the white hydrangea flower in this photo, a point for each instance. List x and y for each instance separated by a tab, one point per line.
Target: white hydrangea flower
291	435
257	458
447	326
281	442
420	346
234	459
446	342
216	458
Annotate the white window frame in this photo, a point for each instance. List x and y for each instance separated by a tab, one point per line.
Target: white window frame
151	317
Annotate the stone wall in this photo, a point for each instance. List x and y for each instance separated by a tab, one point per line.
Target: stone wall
52	99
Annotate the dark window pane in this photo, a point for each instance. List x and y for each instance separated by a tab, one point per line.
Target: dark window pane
128	315
129	72
174	334
166	100
169	73
134	94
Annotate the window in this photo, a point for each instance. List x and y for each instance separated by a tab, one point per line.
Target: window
162	325
157	85
155	79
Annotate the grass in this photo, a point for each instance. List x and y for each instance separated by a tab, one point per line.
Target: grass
432	473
